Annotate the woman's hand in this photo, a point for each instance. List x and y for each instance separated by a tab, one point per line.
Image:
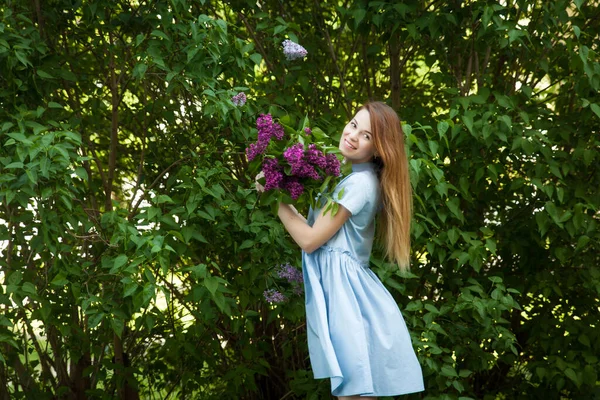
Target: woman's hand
259	188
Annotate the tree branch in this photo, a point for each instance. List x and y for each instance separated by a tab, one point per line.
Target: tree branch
261	49
347	103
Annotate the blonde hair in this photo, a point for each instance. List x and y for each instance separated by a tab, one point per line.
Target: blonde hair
396	191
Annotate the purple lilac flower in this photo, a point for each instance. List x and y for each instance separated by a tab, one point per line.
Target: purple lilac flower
300	166
239	99
307	131
268	129
316	156
254	149
293	51
274	296
273	173
294	187
333	165
293	275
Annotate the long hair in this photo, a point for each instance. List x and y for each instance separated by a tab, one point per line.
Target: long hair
396	191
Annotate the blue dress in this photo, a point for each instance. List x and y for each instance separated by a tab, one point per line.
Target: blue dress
356	333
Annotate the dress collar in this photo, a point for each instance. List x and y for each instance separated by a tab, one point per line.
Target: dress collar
366	166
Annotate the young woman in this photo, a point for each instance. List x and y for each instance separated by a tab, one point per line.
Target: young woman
356	334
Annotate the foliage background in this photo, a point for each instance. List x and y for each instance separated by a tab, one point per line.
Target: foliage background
134	254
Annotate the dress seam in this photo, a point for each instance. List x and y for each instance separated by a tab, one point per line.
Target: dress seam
346	253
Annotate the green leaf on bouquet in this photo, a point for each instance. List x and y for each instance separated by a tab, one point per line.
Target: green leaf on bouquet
318	134
331	206
305	123
286	120
324	186
289	131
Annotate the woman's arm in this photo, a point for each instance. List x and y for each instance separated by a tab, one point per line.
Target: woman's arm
307	237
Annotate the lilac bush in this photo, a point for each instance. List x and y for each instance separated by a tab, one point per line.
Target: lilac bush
292	283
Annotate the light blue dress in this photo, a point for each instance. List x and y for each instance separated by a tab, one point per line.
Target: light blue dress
356	333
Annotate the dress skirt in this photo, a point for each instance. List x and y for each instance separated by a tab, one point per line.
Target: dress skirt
357	336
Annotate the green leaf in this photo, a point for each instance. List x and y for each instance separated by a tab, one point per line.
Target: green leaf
29	288
247	244
431	308
211	284
95	319
433	147
454	206
463	258
596	109
583	339
153	212
44	74
583	53
117	325
468	120
139	70
358	14
160	34
278	29
82	173
464	373
449	371
130	289
453	235
414	305
163	198
572	375
15	165
442	127
23	58
257	58
59	280
491	245
507	121
120	260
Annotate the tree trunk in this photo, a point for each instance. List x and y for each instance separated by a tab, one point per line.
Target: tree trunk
394	49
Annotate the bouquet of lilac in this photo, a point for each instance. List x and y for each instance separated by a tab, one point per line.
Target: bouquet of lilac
299	165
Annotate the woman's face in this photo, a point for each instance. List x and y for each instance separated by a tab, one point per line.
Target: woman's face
356	143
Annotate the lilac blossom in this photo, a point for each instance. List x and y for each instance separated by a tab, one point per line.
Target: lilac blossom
274	296
307	131
294	187
333	165
316	156
293	51
239	99
273	173
254	149
292	274
267	129
301	168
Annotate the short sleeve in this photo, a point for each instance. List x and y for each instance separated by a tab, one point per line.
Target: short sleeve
355	193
